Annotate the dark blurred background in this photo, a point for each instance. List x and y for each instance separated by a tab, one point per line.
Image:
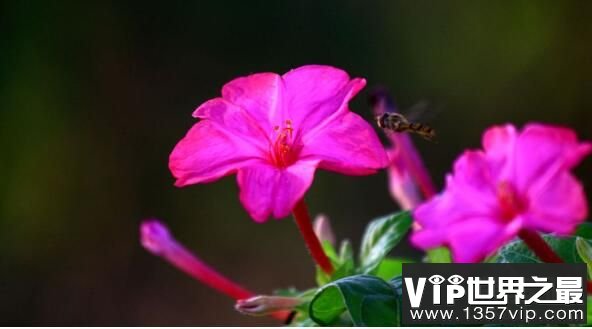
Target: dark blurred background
95	95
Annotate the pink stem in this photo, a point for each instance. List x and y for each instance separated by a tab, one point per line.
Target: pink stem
304	223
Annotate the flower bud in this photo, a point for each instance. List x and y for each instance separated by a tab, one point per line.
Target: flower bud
264	305
154	236
323	230
402	186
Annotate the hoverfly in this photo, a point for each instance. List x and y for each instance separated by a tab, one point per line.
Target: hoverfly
387	118
398	123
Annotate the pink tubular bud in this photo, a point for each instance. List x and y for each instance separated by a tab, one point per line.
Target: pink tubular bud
155	237
401	184
323	230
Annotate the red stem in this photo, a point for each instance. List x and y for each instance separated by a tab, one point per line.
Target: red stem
304	223
543	251
539	246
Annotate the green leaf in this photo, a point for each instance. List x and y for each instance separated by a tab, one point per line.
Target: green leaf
585	252
368	300
303	321
287	292
330	251
584	230
439	255
321	277
343	263
517	252
397	284
381	236
346	252
589	311
391	267
346	261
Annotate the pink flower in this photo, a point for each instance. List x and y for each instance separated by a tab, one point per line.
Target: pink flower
520	181
274	131
156	238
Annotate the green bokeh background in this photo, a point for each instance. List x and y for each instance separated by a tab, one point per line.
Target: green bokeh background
93	97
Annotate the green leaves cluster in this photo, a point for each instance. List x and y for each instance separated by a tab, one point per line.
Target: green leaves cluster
366	290
363	291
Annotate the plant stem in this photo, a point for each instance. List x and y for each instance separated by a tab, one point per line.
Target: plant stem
539	246
543	251
304	223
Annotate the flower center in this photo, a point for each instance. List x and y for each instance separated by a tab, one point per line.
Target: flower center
283	152
511	204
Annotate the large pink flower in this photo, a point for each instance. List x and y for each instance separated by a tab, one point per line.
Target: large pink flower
274	131
519	181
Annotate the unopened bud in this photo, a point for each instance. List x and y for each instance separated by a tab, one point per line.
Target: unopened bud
323	230
402	186
264	305
155	236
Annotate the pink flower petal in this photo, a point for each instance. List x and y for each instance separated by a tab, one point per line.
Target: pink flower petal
324	116
259	94
498	140
348	145
234	121
433	218
207	153
473	185
478	238
317	92
267	190
499	143
542	150
558	206
470	238
313	84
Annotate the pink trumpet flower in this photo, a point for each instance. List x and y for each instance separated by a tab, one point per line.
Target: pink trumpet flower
519	183
274	131
156	238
